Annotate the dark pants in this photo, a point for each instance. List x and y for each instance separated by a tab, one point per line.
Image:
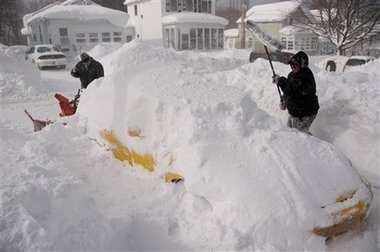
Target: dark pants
301	123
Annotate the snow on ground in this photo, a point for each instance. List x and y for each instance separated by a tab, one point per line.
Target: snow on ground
250	183
18	77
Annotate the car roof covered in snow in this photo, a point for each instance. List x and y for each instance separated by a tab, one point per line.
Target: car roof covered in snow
192	17
81	12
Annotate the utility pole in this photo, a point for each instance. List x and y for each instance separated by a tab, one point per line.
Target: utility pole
242	35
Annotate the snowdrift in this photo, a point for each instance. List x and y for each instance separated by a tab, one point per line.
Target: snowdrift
249	182
18	77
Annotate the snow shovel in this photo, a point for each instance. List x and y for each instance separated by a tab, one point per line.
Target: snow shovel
274	74
38	124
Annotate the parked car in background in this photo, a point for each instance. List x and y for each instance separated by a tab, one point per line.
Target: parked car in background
344	63
46	56
51	60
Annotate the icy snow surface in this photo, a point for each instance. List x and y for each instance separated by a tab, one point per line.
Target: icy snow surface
250	183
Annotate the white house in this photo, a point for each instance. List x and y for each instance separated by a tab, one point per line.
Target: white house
77	25
180	24
281	22
231	39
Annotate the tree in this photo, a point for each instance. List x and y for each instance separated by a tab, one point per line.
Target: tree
345	23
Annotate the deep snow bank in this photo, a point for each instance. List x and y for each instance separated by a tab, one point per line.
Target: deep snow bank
18	78
258	185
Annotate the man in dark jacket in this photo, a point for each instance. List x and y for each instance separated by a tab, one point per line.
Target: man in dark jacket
87	70
299	91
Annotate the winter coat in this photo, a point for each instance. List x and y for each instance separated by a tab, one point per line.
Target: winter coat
300	93
87	71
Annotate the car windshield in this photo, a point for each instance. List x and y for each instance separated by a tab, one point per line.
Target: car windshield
43	49
355	62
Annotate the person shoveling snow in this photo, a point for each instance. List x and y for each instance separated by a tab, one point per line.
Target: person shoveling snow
299	91
87	70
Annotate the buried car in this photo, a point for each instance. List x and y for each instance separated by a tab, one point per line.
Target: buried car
258	182
344	63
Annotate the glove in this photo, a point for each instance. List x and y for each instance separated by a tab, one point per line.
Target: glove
275	79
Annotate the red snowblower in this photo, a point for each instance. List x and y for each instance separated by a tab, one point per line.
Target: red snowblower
68	108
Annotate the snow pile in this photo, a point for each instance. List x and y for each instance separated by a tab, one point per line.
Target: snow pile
18	77
349	114
250	183
103	49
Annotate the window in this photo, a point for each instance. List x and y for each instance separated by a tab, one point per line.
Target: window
93	37
205	6
221	41
283	41
178	38
200	38
207	38
136	12
172	38
129	38
290	45
314	43
185	41
166	38
43	49
80	37
213	39
168	6
106	37
64	36
40	31
193	38
117	37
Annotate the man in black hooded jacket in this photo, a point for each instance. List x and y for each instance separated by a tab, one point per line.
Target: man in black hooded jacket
87	70
299	91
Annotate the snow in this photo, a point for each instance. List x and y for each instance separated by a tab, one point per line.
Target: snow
250	182
18	77
103	49
82	12
231	32
192	17
272	12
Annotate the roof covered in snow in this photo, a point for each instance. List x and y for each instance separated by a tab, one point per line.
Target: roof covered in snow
192	17
273	12
132	1
80	10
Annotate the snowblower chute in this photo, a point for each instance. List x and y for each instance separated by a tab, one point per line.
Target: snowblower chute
68	108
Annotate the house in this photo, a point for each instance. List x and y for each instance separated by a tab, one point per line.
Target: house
281	21
179	24
231	39
76	25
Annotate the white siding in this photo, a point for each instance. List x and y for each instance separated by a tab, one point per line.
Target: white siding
148	20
